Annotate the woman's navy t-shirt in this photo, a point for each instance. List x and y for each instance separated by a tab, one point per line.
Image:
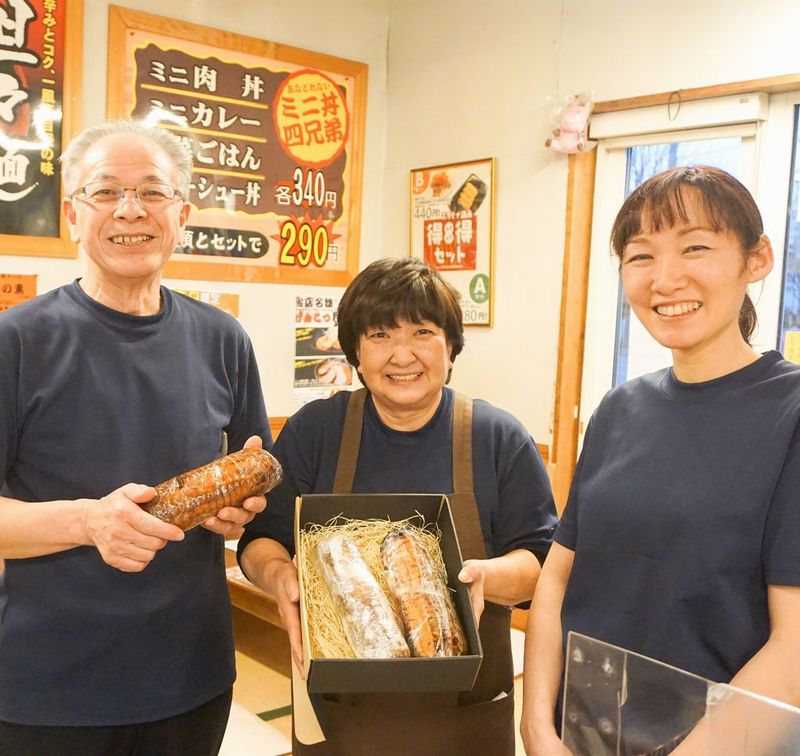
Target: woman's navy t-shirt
684	507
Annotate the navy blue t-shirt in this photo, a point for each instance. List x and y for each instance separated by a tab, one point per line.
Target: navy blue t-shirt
91	399
684	506
515	502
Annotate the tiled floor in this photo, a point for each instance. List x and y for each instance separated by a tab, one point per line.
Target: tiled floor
263	688
261	722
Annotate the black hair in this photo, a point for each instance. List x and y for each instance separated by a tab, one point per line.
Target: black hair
393	289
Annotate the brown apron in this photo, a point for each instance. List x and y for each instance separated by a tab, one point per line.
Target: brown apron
422	724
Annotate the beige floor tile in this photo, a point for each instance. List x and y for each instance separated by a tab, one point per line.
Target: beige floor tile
262	686
258	688
247	735
262	665
262	641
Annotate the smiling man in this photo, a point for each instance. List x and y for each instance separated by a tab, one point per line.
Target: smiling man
127	216
115	628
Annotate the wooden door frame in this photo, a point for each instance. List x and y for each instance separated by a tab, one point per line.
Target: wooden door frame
575	277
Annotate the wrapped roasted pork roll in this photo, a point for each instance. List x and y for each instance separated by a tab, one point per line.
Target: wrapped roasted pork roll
430	622
370	623
192	497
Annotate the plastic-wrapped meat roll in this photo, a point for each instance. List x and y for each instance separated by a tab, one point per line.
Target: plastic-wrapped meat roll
369	621
429	618
192	497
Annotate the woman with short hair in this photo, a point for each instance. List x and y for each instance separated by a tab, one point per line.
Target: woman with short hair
400	326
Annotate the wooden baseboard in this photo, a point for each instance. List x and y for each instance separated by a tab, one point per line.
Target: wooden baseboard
276	425
249	598
519	619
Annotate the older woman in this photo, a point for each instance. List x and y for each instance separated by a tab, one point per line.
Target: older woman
400	326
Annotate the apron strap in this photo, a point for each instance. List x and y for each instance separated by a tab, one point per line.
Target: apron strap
497	671
496	674
464	506
463	503
462	444
350	443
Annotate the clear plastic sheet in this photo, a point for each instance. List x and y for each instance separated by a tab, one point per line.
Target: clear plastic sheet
619	703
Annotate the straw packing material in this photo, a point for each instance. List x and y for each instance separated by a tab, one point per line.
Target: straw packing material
326	628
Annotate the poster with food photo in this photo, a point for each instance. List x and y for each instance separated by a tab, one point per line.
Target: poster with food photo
320	367
328	373
313	342
452	230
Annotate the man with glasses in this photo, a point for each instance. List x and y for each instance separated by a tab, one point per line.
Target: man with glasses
115	627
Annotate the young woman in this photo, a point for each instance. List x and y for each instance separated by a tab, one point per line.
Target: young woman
679	539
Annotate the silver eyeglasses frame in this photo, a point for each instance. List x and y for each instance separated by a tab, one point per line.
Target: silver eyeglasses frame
89	195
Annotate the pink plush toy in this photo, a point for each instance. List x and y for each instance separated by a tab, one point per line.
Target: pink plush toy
570	134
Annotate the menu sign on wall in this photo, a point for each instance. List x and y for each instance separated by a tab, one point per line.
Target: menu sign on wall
39	43
276	137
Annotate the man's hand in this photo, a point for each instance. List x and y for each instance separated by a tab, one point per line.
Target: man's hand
231	519
124	534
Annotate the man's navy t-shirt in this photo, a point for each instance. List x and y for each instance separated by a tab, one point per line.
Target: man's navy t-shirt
91	399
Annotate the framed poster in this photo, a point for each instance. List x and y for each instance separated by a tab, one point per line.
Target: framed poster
452	230
40	54
277	134
320	367
223	300
16	288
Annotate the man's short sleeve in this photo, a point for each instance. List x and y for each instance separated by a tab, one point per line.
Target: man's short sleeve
9	379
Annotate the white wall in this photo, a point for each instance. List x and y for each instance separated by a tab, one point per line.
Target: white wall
470	79
351	29
622	48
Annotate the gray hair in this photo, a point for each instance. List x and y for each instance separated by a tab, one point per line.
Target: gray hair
177	150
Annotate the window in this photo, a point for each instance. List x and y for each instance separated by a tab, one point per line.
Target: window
789	329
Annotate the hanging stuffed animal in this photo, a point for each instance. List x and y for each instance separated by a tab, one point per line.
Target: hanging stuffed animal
571	134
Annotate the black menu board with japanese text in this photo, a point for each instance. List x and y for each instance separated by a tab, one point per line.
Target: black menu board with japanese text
276	133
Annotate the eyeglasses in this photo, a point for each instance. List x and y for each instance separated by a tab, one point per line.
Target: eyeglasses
110	193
